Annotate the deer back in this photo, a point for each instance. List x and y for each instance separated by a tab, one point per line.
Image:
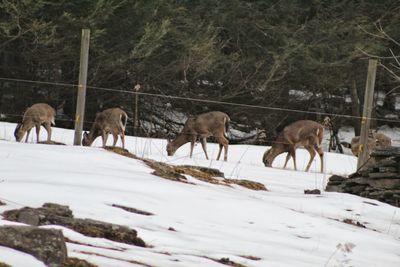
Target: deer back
303	132
112	119
210	124
38	114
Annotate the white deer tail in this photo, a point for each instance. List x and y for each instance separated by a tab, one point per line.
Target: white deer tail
123	119
226	128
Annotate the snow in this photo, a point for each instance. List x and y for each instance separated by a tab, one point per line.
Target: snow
282	226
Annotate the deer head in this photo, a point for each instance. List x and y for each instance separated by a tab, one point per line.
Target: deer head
85	139
18	133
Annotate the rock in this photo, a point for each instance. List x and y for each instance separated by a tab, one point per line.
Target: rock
75	262
336	178
312	192
54	214
382	175
47	245
386	151
380	180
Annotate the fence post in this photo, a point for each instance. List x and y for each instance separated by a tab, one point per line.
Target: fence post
80	102
136	121
363	153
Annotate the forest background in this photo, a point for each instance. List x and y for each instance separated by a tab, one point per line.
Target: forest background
309	56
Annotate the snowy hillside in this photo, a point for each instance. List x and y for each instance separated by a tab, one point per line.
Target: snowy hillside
279	227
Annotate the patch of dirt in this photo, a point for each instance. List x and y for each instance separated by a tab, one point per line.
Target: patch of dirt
93	246
114	258
121	151
177	173
198	173
226	261
211	171
132	210
51	142
370	203
249	257
2	264
166	171
355	223
248	184
2	203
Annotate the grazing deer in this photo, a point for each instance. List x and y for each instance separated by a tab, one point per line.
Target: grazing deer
374	140
214	123
300	133
35	116
112	120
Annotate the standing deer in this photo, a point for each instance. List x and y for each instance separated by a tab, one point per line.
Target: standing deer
374	139
305	133
35	116
112	120
214	123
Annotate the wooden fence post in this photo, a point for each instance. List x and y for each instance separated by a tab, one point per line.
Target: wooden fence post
80	103
136	119
367	110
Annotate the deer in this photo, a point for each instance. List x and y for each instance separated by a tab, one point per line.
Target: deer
112	120
305	133
214	123
375	139
35	116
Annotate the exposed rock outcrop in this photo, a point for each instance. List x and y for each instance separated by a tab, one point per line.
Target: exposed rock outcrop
54	214
47	245
379	180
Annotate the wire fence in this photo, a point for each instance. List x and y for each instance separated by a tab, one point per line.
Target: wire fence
208	101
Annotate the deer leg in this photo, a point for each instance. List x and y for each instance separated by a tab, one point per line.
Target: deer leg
204	145
321	156
37	133
47	126
224	142
192	141
220	150
288	156
310	150
27	135
123	139
115	136
292	152
104	137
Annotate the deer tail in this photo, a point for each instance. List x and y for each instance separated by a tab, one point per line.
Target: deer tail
320	136
226	129
123	119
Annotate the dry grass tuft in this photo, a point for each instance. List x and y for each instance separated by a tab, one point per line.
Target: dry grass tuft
177	173
51	142
248	184
355	223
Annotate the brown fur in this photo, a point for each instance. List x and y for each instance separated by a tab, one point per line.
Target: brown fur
305	133
112	120
208	124
35	116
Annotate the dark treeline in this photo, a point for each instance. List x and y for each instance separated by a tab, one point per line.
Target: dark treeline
305	55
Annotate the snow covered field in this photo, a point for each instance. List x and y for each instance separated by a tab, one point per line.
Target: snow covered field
280	227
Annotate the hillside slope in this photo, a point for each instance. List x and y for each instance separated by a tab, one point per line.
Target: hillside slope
196	223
